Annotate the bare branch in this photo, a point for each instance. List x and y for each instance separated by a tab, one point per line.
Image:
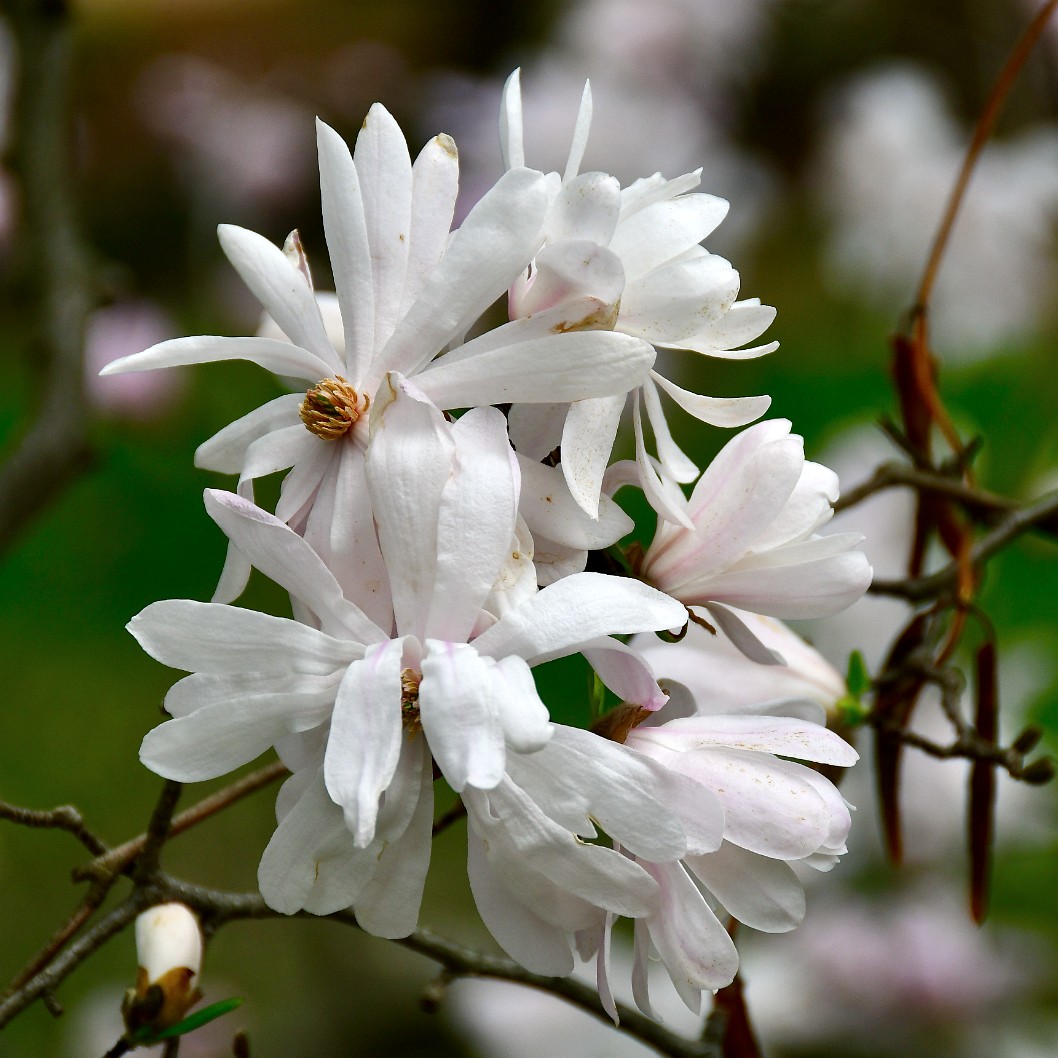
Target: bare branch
65	817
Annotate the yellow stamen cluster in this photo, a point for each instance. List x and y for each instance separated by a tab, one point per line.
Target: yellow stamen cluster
409	701
331	407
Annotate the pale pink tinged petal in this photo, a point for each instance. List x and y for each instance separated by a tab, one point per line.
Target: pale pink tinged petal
548	508
388	906
675	463
280	450
216	739
293	789
435	185
528	843
345	227
679	299
537	945
365	739
311	835
283	556
650	189
662	494
764	734
626	673
459	714
580	134
742	636
568	272
226	449
642	951
282	358
511	134
535	430
384	167
694	947
602	971
574	612
586	208
743	322
726	412
587	442
235	574
481	495
202	689
763	893
212	637
618	475
808	508
554	561
559	367
523	716
283	291
814	588
400	801
660	232
770	806
490	249
409	462
840	811
581	777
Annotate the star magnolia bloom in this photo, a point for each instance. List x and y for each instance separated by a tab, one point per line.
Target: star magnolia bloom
169	952
406	292
630	260
775	811
753	543
445	500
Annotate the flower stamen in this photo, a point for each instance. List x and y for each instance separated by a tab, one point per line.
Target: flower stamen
331	407
409	701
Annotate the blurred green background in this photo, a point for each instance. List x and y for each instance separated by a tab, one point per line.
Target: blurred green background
814	118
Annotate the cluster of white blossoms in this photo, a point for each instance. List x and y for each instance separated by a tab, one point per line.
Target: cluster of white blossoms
434	558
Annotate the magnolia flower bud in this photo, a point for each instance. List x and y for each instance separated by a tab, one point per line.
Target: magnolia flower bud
169	950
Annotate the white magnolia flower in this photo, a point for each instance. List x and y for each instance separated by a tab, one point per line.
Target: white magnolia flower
445	500
406	292
169	953
630	260
775	811
754	544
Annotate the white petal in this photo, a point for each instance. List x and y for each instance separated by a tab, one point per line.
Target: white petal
283	556
763	893
674	461
345	227
537	945
511	136
663	494
580	135
212	637
457	703
717	411
282	358
560	367
587	208
523	716
568	271
280	450
742	636
283	291
365	739
536	429
576	610
587	442
409	462
743	322
384	168
226	449
435	184
625	672
475	523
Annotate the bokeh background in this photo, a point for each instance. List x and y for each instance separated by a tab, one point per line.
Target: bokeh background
835	128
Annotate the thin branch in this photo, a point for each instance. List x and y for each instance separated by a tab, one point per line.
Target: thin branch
65	817
157	831
118	859
54	449
934	585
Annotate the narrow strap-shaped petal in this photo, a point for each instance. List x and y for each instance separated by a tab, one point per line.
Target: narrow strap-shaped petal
575	611
663	494
384	167
580	134
625	672
511	135
459	713
716	411
281	288
523	716
346	229
226	449
279	450
280	554
365	740
676	464
482	493
587	443
280	357
435	185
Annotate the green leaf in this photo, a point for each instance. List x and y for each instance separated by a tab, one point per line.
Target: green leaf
196	1020
853	711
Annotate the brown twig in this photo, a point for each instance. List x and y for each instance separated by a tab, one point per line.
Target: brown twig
65	817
